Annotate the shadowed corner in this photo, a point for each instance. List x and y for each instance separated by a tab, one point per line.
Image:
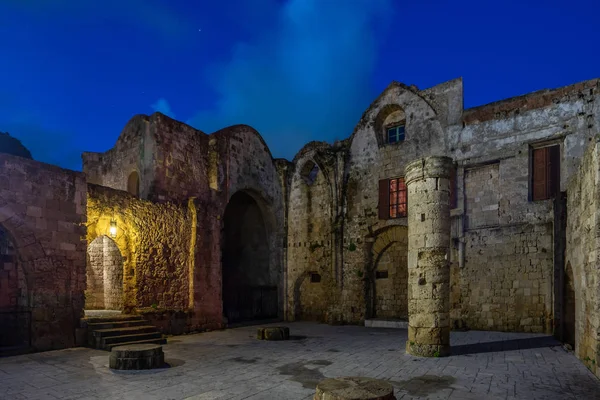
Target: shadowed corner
505	345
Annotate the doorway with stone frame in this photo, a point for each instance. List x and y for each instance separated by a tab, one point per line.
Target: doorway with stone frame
104	275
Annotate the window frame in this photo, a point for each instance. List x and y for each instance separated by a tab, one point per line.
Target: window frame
400	137
551	162
385	198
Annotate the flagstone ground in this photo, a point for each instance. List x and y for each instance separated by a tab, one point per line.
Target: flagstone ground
233	364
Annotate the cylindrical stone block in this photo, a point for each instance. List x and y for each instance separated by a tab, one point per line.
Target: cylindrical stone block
428	186
354	388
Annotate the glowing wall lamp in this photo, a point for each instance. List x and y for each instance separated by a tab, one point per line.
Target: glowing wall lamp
113	229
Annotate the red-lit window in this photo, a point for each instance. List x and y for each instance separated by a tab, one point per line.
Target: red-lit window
545	172
392	198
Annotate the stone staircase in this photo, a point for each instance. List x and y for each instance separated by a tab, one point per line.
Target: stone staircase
110	331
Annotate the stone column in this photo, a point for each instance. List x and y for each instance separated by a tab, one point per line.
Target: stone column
428	186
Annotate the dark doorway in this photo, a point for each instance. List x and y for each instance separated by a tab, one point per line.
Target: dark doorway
569	308
249	285
15	317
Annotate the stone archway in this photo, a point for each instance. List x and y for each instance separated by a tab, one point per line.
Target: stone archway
250	283
104	275
388	275
569	307
15	324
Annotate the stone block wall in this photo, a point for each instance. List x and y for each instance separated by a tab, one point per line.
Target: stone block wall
132	154
391	279
154	242
581	277
42	208
310	243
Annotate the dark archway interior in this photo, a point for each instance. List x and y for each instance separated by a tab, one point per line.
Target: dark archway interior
569	308
249	286
104	275
15	318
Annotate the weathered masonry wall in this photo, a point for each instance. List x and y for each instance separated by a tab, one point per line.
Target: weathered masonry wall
153	241
42	211
203	172
131	157
504	251
581	276
311	278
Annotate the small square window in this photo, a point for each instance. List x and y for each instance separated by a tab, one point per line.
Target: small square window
381	274
395	134
315	277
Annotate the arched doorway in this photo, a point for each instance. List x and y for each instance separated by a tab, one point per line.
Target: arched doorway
249	283
133	184
388	291
569	307
104	275
15	321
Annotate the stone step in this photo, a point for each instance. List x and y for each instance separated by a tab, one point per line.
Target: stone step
109	347
104	342
101	333
116	324
111	318
386	323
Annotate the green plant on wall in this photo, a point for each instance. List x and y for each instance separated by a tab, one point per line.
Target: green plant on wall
351	247
360	273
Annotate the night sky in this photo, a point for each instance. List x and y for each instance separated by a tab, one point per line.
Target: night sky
73	72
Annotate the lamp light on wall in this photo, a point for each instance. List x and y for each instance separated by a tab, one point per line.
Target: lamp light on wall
113	228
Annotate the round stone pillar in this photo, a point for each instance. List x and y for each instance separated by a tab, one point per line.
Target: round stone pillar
428	186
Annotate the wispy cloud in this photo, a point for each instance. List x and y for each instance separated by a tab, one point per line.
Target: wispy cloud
163	106
307	78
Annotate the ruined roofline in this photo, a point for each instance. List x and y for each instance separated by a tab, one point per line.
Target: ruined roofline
530	101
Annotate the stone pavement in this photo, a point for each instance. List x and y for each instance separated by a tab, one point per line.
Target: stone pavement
233	364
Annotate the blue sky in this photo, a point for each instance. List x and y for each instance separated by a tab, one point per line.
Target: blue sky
73	72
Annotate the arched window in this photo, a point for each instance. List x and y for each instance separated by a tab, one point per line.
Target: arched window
309	172
390	124
133	184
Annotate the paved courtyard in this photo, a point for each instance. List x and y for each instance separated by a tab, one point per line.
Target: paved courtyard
232	364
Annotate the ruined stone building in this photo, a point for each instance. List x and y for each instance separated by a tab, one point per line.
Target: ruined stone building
484	218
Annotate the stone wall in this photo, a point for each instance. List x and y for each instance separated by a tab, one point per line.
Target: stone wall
104	289
42	208
186	166
581	259
133	154
311	275
154	242
496	229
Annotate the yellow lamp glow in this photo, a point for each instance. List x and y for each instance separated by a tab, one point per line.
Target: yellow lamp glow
113	229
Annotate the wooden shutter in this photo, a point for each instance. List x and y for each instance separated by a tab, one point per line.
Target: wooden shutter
540	173
546	172
384	199
553	171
